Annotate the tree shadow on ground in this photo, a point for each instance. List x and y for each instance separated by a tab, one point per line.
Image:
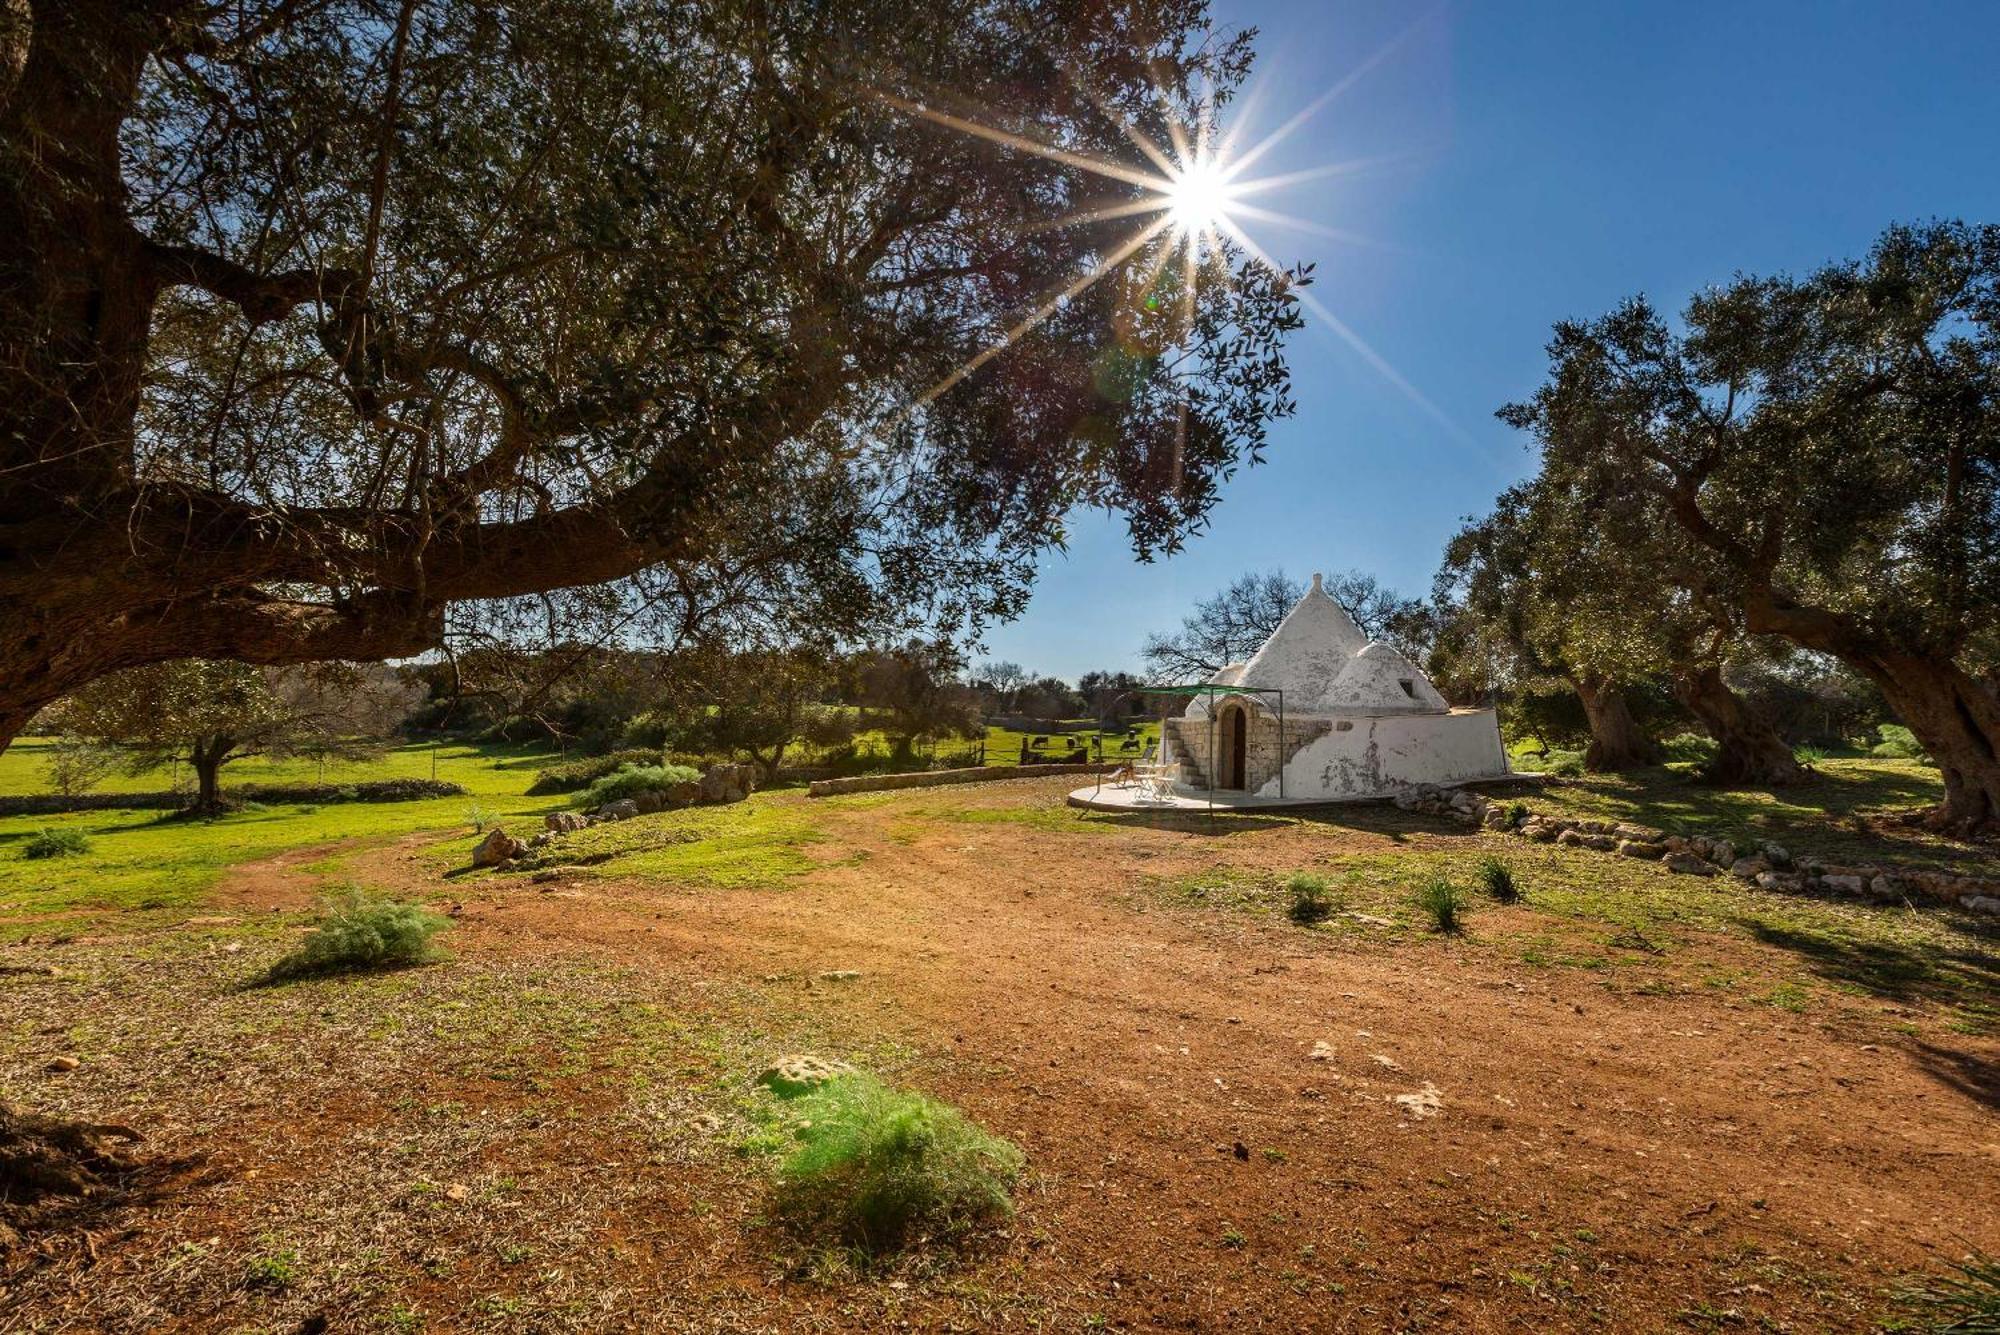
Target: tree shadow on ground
1974	1076
1898	970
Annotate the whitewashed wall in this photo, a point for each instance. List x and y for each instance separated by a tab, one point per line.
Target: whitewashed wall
1383	753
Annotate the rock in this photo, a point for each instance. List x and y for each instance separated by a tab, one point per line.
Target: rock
1786	882
497	847
789	1077
1721	852
685	793
623	809
541	840
1603	843
650	801
728	783
1747	868
1687	864
1680	844
1887	889
566	822
1539	833
840	975
1843	883
457	1191
1776	855
1426	1102
1638	834
1322	1051
1986	904
60	1064
1496	819
1635	848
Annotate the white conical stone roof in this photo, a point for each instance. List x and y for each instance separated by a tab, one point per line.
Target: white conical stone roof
1374	681
1307	651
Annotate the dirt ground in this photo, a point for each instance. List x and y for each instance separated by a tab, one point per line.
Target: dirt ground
1231	1123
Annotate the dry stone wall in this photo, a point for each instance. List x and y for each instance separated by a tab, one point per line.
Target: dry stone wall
1768	866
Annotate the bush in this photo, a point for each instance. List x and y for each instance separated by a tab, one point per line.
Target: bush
571	775
631	780
878	1167
1310	901
56	844
1498	880
1443	903
356	932
1968	1300
1898	743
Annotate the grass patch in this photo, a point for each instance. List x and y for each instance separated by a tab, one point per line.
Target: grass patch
1498	880
1967	1300
358	933
56	844
878	1168
1312	902
1443	903
758	842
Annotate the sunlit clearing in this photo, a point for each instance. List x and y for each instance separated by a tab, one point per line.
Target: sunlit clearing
1199	196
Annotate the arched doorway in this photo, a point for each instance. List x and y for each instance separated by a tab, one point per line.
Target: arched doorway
1235	747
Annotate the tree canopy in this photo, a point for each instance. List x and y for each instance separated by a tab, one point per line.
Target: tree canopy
323	318
1829	446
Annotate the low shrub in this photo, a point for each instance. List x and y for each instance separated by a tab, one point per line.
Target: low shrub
879	1167
1498	879
48	843
1311	902
570	776
1443	903
1966	1300
357	932
1517	812
631	780
478	817
1898	743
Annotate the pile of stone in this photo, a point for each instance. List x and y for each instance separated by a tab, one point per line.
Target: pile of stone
1768	866
718	785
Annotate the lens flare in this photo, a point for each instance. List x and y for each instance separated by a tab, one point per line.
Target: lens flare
1199	196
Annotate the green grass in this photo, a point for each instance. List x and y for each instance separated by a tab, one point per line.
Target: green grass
48	843
758	842
356	933
150	870
1442	902
878	1167
1498	880
1311	901
483	770
1966	1300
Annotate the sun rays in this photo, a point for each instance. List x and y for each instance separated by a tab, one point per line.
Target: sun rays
1192	207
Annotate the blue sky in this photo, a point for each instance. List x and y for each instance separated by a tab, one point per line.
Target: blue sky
1533	162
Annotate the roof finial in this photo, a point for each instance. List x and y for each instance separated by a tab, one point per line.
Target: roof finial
1317	586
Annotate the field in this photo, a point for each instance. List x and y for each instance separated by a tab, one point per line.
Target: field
1631	1101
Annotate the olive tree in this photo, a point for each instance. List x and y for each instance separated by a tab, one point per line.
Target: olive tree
210	713
1831	444
320	318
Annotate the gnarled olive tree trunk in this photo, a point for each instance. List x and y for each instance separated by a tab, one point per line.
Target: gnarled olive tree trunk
1750	752
1957	718
1617	742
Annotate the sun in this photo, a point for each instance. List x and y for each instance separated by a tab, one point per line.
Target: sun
1199	196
